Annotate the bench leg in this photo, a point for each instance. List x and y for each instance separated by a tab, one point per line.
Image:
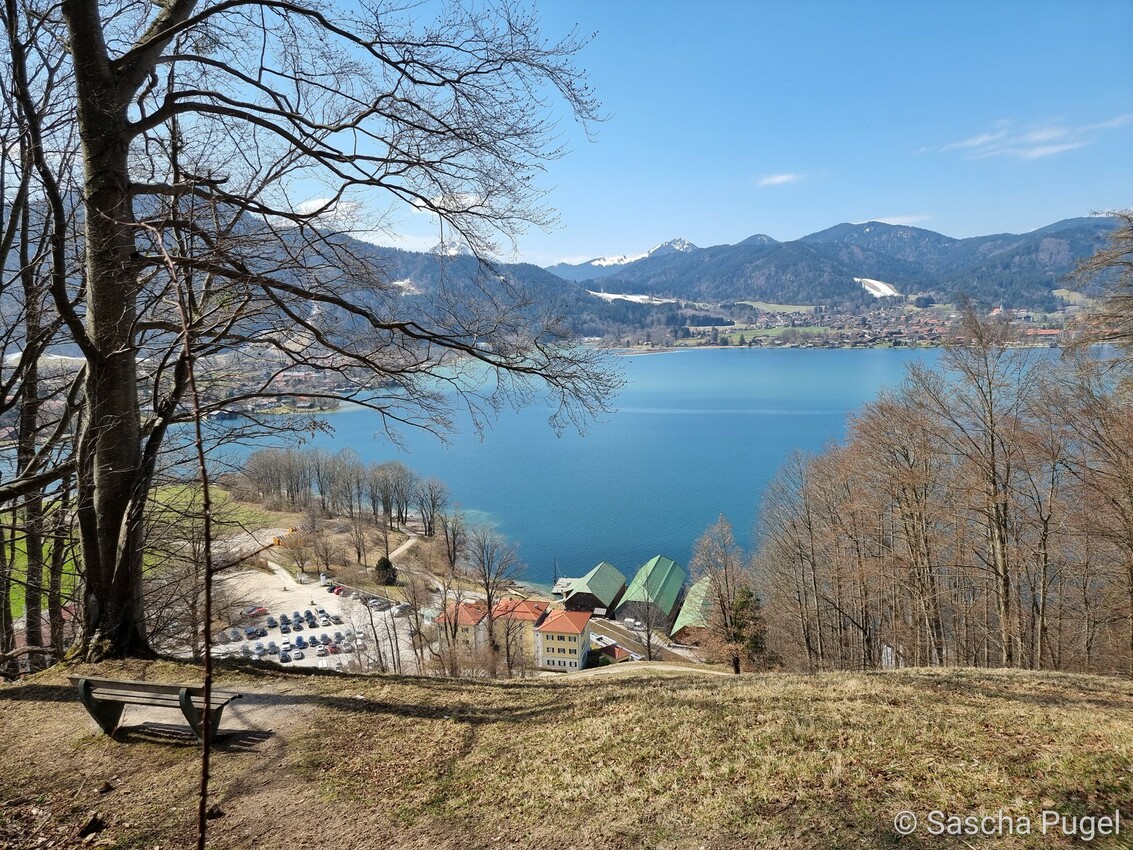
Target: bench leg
192	713
195	716
106	714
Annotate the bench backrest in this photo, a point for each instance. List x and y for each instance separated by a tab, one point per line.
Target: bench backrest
143	688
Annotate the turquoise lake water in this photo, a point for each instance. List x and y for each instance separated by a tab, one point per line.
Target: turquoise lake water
695	434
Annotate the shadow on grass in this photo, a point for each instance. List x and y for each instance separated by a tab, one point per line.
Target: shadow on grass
236	740
38	693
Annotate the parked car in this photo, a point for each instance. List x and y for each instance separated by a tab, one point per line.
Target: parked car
332	648
401	610
324	620
331	588
284	629
337	620
272	622
283	618
251	632
301	642
297	654
320	651
246	650
297	626
285	645
340	591
324	639
347	646
255	611
285	657
235	635
258	650
338	637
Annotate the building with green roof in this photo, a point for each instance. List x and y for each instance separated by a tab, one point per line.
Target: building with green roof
658	584
599	591
692	622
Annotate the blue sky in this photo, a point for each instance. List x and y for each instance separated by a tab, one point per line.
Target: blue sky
728	119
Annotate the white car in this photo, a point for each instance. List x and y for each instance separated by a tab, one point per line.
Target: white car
286	645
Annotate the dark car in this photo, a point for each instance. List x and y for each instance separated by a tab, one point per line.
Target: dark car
295	615
331	588
283	618
251	632
272	647
338	637
284	629
324	639
337	620
261	632
285	657
301	642
307	614
235	635
272	622
297	626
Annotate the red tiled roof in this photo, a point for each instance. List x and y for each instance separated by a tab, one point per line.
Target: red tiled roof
468	614
519	609
614	652
566	622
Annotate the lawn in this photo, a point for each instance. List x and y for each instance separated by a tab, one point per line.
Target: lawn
676	761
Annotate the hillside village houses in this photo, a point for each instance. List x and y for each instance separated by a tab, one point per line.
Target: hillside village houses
531	634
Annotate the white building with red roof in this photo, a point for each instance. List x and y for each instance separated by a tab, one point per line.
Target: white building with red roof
562	641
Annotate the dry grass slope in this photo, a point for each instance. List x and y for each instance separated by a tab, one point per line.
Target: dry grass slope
665	761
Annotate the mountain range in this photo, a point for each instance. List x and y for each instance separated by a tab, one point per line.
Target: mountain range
1015	270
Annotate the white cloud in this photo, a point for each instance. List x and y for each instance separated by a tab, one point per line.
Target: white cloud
1034	142
780	179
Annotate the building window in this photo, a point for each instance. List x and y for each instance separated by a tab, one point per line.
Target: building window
572	664
572	638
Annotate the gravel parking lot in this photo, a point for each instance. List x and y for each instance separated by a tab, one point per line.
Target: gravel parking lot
280	594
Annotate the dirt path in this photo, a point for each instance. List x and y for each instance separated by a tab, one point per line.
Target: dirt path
404	547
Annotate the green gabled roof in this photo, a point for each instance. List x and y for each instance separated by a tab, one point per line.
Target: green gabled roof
697	607
659	581
603	583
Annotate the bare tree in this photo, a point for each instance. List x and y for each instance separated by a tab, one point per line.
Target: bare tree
191	119
432	498
493	565
721	562
455	533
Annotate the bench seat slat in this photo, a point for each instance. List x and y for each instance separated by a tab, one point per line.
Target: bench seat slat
132	698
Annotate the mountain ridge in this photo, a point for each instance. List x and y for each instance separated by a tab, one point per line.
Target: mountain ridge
1015	270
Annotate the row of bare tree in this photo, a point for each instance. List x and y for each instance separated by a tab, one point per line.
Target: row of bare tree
980	514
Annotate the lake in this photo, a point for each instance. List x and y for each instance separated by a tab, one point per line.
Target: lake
695	434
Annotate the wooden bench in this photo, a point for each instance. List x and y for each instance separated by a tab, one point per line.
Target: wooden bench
105	699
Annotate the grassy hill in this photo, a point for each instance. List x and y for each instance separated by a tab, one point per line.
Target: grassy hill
621	760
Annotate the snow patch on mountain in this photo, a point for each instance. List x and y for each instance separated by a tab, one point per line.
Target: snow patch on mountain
877	288
673	246
636	299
